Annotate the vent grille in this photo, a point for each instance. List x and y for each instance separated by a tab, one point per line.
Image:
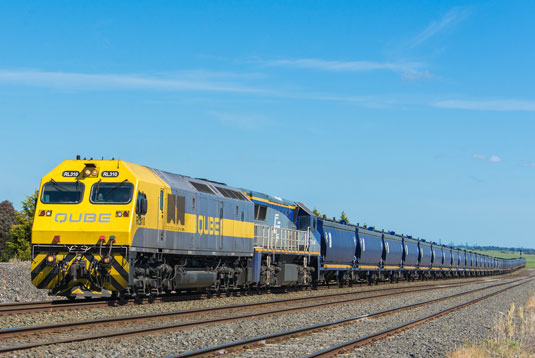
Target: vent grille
232	194
203	188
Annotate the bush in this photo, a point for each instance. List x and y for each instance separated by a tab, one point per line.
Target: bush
7	219
19	244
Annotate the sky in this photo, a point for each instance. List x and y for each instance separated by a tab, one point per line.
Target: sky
416	117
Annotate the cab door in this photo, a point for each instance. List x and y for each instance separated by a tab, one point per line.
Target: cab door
161	220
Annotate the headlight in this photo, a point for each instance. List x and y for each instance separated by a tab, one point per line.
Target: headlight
50	260
106	261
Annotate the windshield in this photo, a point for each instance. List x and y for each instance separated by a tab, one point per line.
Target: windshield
111	193
62	193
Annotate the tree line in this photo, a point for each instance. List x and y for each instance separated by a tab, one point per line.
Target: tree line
16	229
505	250
343	216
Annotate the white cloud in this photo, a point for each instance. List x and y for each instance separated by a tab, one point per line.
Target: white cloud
345	66
204	74
84	81
451	18
196	80
492	159
488	105
529	164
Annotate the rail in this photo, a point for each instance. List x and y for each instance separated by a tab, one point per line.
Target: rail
55	332
277	238
254	342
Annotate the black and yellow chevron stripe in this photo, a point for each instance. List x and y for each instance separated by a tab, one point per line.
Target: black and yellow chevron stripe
52	277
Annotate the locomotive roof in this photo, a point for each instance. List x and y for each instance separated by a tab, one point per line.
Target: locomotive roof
182	182
270	198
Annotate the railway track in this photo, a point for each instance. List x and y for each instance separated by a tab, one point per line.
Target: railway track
258	341
63	305
383	334
41	330
43	306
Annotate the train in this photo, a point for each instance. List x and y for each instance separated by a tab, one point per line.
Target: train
112	228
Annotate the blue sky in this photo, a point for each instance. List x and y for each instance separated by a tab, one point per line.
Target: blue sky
417	117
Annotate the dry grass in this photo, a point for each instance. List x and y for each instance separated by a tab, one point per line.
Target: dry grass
513	335
469	352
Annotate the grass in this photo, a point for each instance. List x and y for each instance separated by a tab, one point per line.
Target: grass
530	259
513	335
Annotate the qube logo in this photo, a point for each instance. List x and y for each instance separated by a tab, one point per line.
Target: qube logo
82	217
208	225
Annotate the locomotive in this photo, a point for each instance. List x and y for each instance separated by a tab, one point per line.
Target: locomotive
114	228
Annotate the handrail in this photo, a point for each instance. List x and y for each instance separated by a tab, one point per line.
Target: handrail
278	238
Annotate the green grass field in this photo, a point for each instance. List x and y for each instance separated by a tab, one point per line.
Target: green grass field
530	259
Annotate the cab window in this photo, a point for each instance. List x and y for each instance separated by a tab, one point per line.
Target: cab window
62	193
111	193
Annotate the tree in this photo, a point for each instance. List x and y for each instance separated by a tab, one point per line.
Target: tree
7	219
19	245
344	217
316	212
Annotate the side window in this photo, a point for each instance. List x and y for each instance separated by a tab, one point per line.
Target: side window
236	210
260	212
193	204
161	200
141	204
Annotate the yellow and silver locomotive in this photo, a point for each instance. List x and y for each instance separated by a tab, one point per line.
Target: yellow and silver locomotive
109	227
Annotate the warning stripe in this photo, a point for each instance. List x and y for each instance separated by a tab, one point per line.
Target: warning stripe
120	269
53	274
49	277
39	268
45	276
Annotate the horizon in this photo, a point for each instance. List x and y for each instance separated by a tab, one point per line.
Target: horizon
414	118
